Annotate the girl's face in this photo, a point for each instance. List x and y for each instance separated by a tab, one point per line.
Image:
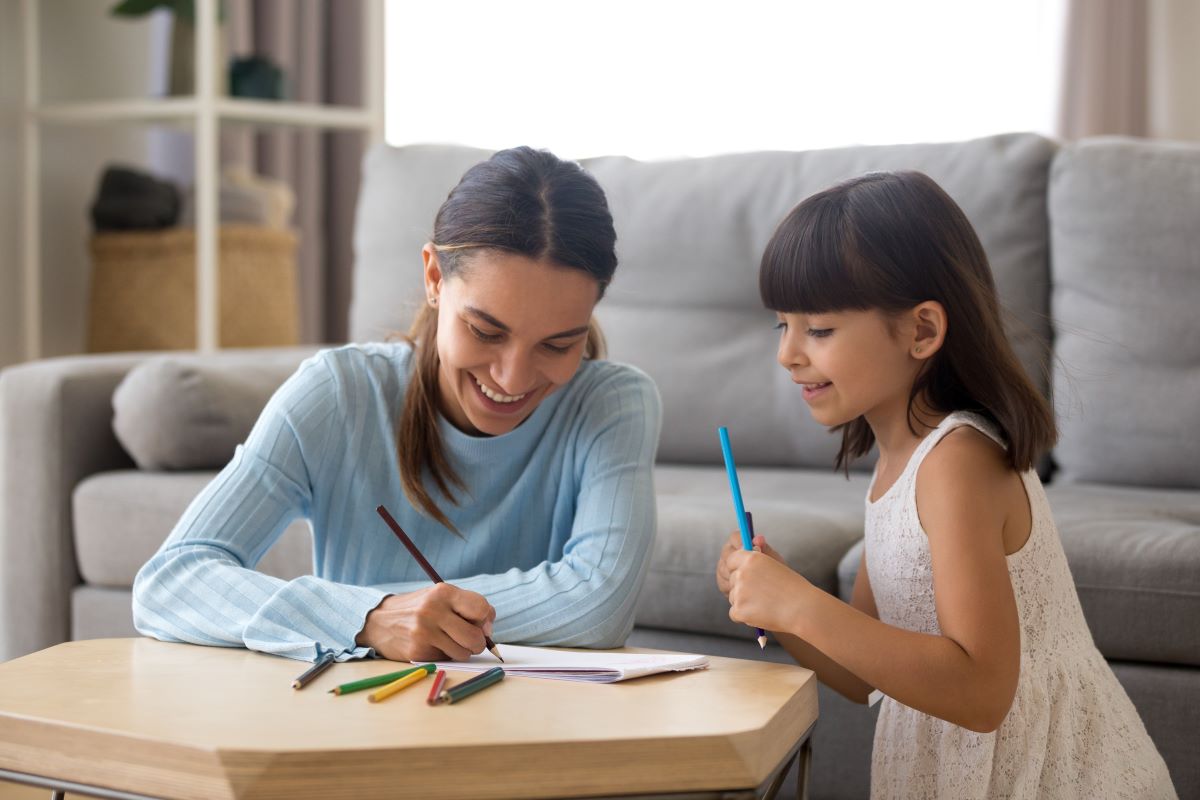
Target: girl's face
851	363
511	331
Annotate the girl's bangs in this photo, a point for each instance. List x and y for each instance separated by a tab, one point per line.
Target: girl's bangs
807	266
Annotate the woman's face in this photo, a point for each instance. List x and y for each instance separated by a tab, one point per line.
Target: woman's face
511	331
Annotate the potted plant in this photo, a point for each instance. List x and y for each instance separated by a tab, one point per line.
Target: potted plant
183	39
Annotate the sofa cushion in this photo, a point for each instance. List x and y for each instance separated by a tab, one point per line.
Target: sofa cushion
121	518
1134	555
1126	284
809	516
189	412
684	304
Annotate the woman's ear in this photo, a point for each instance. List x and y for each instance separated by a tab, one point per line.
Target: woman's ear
433	274
929	329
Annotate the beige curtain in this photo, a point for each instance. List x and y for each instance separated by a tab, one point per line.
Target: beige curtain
318	43
1130	69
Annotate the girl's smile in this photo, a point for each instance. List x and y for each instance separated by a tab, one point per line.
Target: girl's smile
812	391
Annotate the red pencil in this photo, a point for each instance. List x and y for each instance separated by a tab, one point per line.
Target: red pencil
425	565
438	681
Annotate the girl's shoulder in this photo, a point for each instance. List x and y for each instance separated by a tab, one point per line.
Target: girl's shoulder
965	445
966	474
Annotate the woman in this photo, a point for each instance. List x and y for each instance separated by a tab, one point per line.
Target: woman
516	459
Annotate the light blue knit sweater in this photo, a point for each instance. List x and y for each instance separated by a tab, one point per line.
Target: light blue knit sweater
557	527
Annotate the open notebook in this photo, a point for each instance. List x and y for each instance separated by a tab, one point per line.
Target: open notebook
569	665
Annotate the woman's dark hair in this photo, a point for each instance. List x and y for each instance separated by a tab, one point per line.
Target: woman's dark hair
522	201
890	241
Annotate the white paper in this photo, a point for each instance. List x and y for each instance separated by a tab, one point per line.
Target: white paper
569	665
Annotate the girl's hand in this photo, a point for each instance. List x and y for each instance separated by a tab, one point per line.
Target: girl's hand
763	591
733	545
440	623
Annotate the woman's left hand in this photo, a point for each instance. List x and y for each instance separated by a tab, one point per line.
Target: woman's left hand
764	592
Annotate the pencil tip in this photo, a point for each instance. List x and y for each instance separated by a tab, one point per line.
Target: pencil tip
496	652
762	643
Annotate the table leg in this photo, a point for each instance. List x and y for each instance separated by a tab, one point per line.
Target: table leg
802	758
803	765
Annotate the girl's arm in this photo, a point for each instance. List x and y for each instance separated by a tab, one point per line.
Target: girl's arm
965	674
830	672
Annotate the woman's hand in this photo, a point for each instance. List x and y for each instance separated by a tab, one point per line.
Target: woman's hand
440	623
763	591
733	545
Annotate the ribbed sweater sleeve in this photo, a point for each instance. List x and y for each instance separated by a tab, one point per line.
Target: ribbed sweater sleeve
200	587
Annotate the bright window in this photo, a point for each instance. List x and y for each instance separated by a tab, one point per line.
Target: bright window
662	79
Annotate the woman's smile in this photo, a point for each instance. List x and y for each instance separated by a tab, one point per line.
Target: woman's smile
497	402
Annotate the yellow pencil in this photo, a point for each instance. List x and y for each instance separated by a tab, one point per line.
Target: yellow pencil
397	685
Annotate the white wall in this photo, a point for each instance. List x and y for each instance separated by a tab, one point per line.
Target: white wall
86	54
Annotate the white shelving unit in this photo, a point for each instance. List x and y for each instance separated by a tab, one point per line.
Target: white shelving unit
204	112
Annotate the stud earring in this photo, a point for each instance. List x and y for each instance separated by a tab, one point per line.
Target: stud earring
917	350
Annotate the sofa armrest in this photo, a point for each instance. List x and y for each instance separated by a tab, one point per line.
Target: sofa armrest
55	430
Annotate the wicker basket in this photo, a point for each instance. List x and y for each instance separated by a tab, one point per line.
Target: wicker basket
143	294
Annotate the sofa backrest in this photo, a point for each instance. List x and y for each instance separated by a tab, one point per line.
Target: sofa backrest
684	305
1125	236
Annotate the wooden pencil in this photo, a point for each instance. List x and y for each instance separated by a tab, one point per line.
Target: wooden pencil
425	565
403	683
316	669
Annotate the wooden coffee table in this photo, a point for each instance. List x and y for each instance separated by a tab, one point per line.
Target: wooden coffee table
137	717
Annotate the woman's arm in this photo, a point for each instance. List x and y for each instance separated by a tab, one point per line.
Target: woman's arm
200	587
968	673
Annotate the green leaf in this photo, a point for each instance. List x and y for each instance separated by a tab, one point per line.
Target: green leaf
136	8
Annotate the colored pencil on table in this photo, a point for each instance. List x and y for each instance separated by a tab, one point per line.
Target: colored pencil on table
416	676
476	684
739	507
425	565
435	691
371	683
316	669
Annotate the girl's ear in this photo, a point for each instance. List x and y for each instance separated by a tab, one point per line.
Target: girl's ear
433	274
929	329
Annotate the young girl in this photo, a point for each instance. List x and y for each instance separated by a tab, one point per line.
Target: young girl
964	615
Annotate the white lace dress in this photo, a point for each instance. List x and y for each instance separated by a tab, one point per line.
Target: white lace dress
1072	732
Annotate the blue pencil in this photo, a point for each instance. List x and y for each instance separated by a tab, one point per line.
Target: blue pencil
739	507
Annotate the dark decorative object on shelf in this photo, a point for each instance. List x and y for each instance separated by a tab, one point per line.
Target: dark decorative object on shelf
133	200
255	76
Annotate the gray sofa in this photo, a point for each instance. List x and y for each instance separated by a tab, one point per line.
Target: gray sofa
1096	251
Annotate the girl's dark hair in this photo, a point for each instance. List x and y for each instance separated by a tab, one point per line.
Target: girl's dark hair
890	241
522	201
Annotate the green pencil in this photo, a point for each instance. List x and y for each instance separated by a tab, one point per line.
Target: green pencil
478	683
378	680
